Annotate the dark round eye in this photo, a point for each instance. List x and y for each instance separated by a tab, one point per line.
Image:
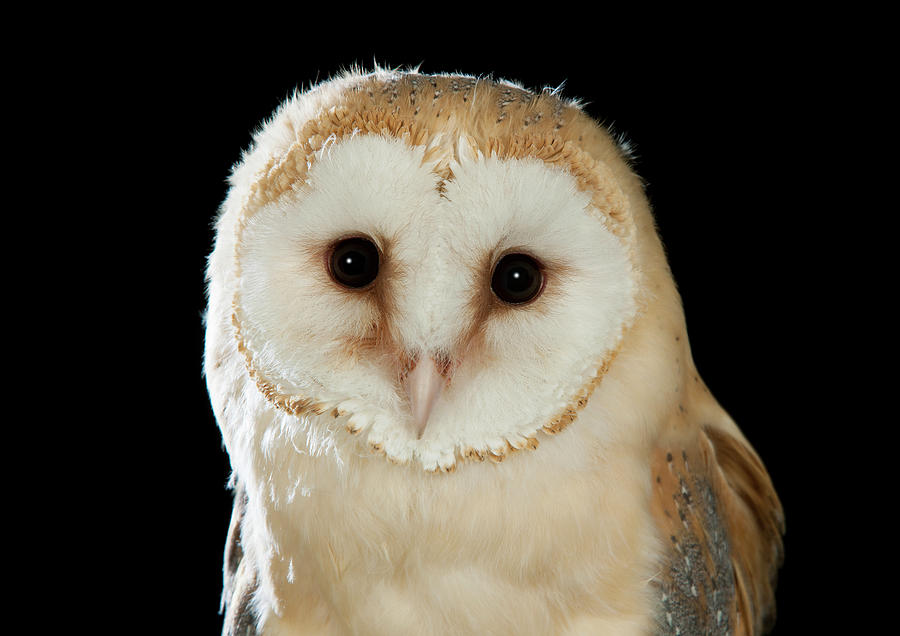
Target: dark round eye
354	262
517	278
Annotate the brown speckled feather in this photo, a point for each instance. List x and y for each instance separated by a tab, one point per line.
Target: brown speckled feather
716	507
240	577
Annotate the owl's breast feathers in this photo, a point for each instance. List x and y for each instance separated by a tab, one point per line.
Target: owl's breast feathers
721	521
715	507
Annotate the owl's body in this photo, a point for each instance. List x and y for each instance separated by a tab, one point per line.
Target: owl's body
435	449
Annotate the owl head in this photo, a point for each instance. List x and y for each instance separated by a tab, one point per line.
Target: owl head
423	269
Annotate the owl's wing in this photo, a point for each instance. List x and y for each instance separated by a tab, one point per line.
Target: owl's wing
722	521
240	575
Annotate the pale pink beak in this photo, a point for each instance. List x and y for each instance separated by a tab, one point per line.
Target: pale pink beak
423	386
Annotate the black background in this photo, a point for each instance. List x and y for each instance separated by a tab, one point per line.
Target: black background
728	132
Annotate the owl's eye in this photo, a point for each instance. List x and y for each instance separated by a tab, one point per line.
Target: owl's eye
517	279
354	262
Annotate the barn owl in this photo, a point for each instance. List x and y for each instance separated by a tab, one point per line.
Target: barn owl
451	371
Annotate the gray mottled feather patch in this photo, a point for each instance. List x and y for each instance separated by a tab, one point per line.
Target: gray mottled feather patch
240	619
697	591
240	577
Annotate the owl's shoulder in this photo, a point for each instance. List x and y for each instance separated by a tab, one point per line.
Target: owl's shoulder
721	522
240	575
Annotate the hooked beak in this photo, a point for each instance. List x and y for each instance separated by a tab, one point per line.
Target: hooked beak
423	385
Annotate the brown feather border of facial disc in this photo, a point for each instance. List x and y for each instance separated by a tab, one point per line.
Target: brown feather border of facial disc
553	140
